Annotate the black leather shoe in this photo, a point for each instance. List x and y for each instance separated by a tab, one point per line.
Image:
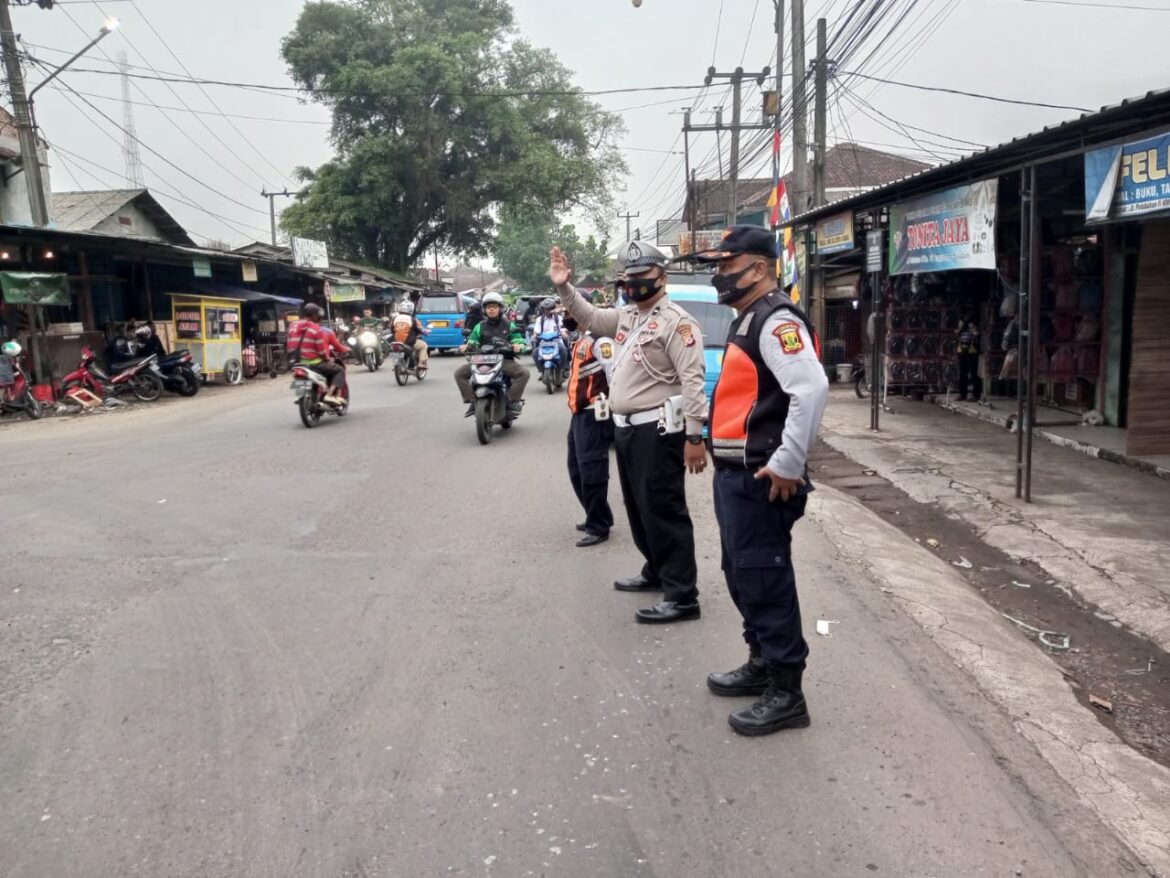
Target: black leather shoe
637	583
591	540
668	611
782	706
750	678
470	413
582	527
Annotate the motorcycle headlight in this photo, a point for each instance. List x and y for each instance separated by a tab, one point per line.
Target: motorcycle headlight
368	338
351	341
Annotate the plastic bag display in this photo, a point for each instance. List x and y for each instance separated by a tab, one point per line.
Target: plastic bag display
1010	305
930	346
1089	361
1011	335
898	320
1089	329
1060	263
1011	365
1067	298
1064	364
915	373
897	373
896	345
1064	326
913	346
1090	295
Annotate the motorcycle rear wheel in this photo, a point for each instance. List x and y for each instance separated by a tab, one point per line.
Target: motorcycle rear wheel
483	421
190	383
146	386
400	374
310	413
420	373
860	386
32	406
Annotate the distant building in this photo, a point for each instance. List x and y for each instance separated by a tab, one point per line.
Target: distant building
126	213
14	207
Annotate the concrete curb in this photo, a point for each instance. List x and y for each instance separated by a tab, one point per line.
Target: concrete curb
1127	792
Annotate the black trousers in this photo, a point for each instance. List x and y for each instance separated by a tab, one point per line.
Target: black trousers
652	474
519	375
334	371
756	538
589	441
968	373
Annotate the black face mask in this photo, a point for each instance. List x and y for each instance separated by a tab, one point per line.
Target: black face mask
639	289
728	288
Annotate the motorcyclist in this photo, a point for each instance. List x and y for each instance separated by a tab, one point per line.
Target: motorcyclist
497	330
148	342
9	351
474	315
409	330
312	344
548	320
369	321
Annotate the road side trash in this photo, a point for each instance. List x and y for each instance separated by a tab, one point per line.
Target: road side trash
1101	703
1051	639
933	543
963	562
823	627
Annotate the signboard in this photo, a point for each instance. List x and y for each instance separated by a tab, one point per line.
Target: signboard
945	231
201	265
248	269
873	251
34	288
345	292
835	234
308	253
1128	180
187	322
706	239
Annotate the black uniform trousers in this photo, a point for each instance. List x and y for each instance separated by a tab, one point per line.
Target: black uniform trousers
589	441
968	374
756	538
652	474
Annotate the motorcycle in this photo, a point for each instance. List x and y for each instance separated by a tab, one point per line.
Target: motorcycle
405	362
368	349
309	389
20	396
550	360
140	377
490	385
180	373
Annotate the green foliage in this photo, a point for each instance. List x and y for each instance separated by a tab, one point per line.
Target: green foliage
525	236
436	128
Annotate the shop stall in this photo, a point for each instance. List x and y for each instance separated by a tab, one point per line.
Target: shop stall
210	329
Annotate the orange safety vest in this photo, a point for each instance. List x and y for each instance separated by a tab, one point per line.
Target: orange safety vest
587	376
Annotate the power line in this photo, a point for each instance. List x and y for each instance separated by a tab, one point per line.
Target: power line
966	94
1110	6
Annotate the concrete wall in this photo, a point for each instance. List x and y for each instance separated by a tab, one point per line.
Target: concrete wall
129	221
14	209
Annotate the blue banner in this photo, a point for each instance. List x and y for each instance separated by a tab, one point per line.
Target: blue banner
945	231
1128	180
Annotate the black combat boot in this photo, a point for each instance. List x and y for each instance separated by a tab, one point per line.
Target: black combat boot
781	706
750	678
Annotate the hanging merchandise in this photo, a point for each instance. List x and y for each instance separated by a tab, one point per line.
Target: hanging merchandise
1011	365
1089	329
1010	305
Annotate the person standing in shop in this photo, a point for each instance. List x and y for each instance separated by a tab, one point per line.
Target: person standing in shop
659	407
968	346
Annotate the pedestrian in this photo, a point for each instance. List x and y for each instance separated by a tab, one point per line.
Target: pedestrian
659	407
590	436
967	346
765	413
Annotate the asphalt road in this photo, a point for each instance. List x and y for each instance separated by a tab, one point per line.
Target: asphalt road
234	646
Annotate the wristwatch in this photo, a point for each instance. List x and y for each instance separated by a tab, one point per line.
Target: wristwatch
695	438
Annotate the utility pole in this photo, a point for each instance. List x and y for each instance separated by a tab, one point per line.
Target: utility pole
736	77
688	204
271	196
822	109
29	156
799	112
777	121
627	217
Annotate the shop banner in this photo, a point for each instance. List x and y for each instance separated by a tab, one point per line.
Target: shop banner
704	239
248	272
835	234
345	292
873	251
34	288
945	231
308	253
189	321
1127	180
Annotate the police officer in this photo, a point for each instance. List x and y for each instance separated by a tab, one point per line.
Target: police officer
764	417
658	358
589	435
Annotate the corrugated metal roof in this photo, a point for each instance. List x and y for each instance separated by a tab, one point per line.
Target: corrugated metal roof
84	211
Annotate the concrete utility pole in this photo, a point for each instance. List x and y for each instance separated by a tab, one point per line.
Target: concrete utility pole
822	109
799	113
688	203
627	217
271	196
29	156
736	77
777	122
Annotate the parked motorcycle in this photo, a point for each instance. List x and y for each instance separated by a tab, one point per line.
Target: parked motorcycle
140	377
180	373
551	361
309	389
368	349
490	385
19	396
405	363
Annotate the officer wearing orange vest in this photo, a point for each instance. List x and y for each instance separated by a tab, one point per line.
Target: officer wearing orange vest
765	413
590	436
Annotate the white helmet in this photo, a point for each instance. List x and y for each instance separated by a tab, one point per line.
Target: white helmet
406	307
493	299
143	331
10	349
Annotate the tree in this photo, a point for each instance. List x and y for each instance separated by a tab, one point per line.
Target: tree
525	236
439	121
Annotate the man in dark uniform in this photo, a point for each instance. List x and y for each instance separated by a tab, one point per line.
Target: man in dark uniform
589	435
765	413
659	406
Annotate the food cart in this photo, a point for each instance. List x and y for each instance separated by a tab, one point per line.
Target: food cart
210	329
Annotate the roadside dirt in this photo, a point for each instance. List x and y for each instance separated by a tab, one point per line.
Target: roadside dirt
1122	677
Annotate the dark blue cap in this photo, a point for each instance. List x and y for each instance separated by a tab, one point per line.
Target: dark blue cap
755	240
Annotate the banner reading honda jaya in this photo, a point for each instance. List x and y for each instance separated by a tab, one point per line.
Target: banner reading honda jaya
1128	180
945	231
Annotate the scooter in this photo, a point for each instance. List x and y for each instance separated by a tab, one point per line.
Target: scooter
405	362
20	396
309	389
180	373
140	377
550	360
490	385
368	349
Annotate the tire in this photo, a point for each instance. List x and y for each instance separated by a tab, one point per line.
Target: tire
860	387
483	421
400	374
32	406
371	361
420	373
549	381
146	386
190	383
233	372
310	416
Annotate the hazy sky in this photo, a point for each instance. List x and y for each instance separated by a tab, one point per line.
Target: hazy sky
1038	51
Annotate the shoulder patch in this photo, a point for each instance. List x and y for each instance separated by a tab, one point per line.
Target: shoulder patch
789	335
606	350
687	331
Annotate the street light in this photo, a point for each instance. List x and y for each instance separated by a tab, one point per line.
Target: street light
108	28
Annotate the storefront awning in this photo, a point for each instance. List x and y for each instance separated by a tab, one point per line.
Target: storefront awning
213	290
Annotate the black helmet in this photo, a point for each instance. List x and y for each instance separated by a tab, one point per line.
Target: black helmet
312	310
547	304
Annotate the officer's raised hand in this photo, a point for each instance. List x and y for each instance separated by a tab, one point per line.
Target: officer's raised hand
781	488
695	457
559	271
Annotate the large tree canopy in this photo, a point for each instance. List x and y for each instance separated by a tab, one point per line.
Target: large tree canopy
522	245
440	119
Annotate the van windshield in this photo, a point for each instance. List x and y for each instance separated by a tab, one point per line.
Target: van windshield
438	305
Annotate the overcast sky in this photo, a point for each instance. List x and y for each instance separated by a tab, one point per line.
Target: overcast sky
1027	49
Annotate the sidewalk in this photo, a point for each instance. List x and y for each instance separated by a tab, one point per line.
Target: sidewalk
1101	530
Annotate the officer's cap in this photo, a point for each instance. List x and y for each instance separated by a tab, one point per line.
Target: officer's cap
737	240
641	257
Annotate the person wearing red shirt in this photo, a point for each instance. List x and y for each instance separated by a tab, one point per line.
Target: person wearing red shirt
313	345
